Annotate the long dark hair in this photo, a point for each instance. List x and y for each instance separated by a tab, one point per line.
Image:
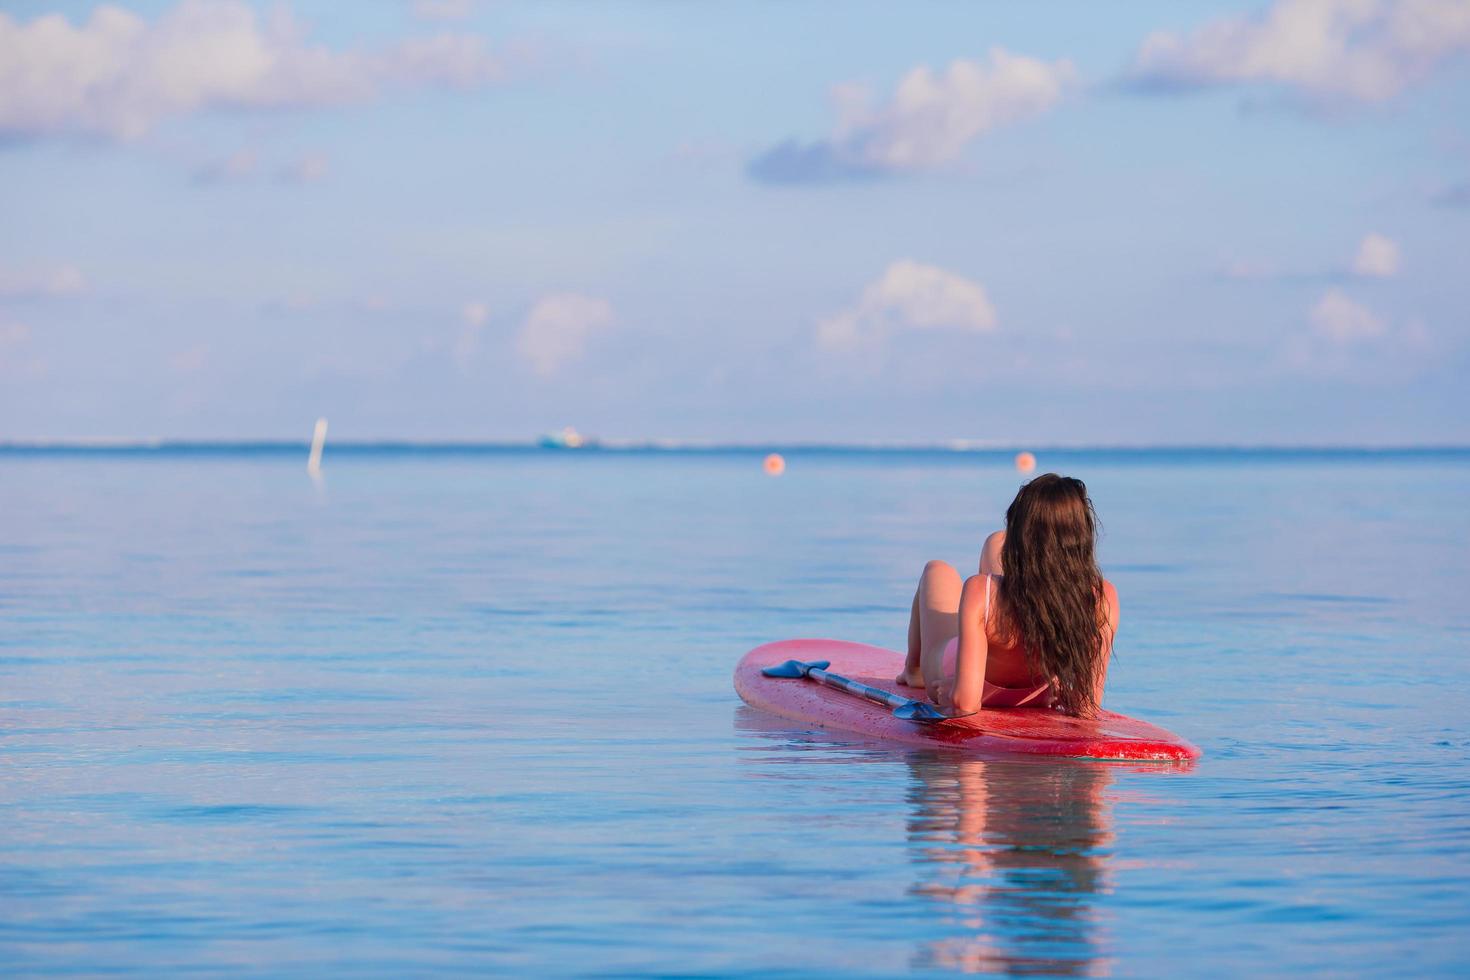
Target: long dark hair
1052	590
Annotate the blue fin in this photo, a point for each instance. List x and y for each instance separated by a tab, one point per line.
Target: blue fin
920	711
794	668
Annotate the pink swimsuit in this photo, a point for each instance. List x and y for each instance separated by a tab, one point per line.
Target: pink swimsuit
995	696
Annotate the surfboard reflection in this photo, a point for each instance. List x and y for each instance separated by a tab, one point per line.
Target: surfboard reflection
1011	854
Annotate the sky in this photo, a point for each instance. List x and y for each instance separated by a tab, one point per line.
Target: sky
1171	222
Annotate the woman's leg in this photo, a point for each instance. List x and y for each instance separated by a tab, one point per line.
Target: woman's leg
934	619
911	661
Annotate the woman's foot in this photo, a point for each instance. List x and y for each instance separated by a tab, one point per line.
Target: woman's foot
907	679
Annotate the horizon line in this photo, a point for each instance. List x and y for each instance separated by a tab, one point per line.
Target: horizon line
957	446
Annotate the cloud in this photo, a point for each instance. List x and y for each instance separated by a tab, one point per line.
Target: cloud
474	315
1247	269
909	296
117	75
240	165
1343	338
1453	196
190	361
15	358
557	328
307	170
245	164
13	334
38	283
1378	257
1365	51
1338	319
930	120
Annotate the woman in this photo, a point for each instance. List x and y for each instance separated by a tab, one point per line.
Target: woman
1037	635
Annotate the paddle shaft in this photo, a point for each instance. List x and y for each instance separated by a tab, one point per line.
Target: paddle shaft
861	690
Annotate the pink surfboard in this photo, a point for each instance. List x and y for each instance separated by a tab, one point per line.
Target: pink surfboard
1034	731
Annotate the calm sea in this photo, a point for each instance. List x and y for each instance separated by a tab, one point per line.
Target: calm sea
463	709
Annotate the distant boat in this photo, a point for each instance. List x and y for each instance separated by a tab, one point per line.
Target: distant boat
568	438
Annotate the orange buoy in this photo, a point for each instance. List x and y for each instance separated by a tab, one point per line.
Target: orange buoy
1025	462
775	465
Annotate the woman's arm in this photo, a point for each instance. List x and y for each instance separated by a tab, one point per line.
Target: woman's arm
990	554
1110	600
974	647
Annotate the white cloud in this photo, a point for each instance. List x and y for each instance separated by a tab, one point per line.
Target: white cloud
13	334
36	282
909	296
1347	340
245	164
1357	50
190	361
240	165
456	60
118	75
1341	321
557	328
307	170
1378	256
15	356
1246	269
928	123
474	315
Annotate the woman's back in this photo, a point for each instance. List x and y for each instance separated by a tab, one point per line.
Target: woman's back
1035	627
1009	664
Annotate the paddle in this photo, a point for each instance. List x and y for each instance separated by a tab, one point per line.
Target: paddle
906	708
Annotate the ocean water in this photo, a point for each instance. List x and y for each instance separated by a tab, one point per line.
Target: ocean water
471	710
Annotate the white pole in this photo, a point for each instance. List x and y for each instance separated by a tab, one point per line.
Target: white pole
318	440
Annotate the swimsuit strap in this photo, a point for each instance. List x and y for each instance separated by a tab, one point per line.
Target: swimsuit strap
987	600
1033	695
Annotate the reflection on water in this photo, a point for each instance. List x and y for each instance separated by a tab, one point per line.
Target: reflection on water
1008	854
1011	854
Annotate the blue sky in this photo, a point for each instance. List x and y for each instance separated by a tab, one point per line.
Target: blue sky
1077	223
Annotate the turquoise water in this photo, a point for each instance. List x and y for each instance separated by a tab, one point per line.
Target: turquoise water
471	710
